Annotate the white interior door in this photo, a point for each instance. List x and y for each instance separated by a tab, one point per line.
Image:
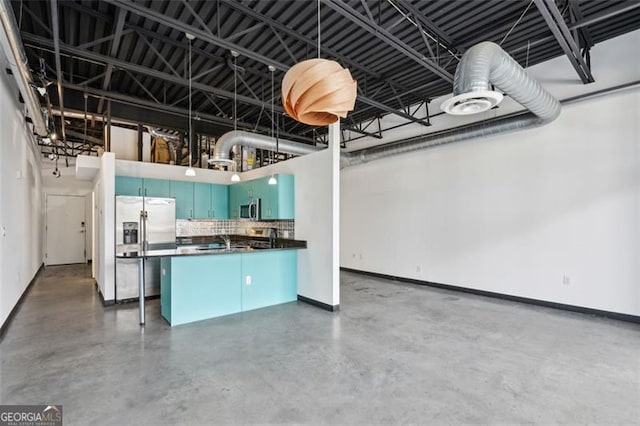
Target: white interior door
66	227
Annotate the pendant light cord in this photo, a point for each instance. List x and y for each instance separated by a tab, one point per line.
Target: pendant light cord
318	28
85	119
272	117
235	93
190	130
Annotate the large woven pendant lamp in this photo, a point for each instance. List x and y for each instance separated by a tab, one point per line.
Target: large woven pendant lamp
318	91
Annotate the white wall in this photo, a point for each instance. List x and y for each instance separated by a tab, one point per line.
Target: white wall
68	184
21	202
104	215
172	172
613	62
317	178
512	214
124	144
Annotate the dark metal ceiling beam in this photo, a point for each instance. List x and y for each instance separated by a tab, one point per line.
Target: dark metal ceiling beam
205	36
177	25
371	27
36	18
558	27
387	108
595	19
55	27
577	14
150	106
103	39
306	40
117	63
610	13
115	45
426	22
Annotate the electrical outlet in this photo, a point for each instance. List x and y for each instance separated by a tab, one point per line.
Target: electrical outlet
247	280
566	280
353	255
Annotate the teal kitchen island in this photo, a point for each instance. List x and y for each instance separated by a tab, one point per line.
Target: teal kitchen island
198	284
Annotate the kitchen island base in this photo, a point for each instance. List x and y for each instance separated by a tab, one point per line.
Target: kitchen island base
194	288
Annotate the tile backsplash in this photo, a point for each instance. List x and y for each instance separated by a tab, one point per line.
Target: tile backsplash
192	228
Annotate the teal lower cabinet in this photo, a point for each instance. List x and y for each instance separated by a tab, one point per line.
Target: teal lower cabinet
195	288
200	287
269	278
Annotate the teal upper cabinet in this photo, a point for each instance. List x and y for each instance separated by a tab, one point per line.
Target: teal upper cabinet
126	185
278	199
281	198
235	195
210	201
156	188
201	200
183	193
220	201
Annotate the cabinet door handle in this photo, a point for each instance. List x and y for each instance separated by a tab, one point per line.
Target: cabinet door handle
145	192
139	192
213	213
191	213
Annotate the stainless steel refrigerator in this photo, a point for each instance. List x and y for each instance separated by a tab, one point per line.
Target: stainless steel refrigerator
147	222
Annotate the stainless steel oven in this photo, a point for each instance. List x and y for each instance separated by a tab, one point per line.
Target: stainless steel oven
251	210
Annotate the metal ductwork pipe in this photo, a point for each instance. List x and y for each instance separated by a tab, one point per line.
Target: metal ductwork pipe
158	134
255	140
481	66
12	45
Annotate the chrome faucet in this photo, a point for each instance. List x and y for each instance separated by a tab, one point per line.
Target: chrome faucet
227	241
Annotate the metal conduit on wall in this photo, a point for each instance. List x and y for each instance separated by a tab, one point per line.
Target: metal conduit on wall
11	44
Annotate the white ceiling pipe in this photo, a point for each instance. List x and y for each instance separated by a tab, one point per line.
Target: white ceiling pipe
12	45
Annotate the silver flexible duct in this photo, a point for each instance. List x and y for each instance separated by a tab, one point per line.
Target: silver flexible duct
12	45
482	65
158	134
486	64
255	140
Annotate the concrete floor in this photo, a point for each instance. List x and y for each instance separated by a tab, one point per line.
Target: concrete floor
396	353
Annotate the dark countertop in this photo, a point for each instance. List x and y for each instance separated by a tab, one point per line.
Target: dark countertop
210	245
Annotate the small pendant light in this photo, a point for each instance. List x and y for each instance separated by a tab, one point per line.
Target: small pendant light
272	179
190	170
235	177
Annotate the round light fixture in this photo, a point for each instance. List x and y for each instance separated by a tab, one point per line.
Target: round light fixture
471	102
318	92
235	177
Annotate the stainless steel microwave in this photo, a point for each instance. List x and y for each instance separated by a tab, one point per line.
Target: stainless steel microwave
251	210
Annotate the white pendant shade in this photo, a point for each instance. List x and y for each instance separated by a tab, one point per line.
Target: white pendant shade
318	92
273	180
235	177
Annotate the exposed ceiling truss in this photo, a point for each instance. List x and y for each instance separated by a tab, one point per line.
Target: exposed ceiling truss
128	58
